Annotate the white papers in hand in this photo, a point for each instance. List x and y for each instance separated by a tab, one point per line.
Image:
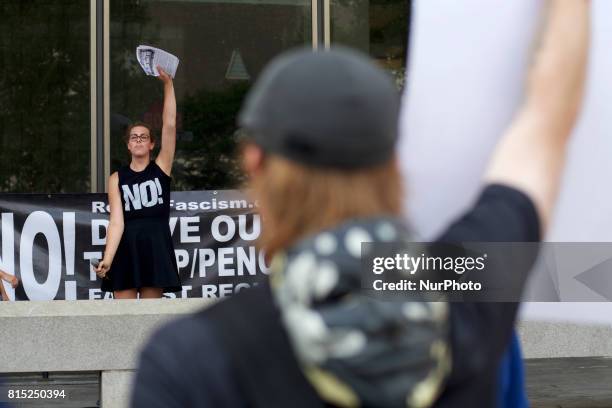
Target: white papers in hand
150	57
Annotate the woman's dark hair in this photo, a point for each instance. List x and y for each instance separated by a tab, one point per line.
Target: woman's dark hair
126	136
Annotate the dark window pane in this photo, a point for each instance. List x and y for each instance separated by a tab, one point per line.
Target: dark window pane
44	96
222	47
377	27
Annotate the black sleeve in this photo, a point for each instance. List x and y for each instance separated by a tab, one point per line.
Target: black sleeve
501	214
480	332
182	365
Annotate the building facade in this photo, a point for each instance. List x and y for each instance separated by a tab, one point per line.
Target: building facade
70	82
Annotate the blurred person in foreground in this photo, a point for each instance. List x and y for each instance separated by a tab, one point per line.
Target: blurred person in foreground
322	165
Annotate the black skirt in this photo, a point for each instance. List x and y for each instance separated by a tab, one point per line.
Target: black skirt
145	258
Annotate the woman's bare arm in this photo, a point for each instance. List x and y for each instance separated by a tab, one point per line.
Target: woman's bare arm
115	226
531	154
168	143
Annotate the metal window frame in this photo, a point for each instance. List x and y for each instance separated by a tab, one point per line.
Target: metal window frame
99	64
100	80
321	23
326	23
106	133
93	98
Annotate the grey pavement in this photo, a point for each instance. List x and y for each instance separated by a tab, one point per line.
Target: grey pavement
578	382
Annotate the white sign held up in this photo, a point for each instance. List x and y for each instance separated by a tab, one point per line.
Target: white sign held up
150	57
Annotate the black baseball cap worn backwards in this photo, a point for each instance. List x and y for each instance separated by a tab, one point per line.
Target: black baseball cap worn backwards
332	108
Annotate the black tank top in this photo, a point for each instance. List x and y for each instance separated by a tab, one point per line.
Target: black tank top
146	193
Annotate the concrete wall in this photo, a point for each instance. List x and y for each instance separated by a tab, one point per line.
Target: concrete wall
560	340
106	336
74	336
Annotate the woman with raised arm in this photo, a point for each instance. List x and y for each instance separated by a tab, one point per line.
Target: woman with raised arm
139	256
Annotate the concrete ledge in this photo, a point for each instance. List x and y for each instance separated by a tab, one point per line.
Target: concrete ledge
558	340
106	337
116	388
82	335
100	307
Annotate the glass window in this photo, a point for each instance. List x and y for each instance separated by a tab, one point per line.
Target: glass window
44	96
222	47
377	27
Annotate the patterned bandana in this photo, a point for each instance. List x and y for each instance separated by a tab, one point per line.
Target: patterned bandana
358	349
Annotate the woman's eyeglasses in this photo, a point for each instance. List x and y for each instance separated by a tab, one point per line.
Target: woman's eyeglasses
139	138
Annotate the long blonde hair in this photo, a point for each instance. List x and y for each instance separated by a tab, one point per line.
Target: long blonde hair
299	200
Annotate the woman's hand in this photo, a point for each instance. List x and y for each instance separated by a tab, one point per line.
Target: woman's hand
12	279
102	268
163	76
